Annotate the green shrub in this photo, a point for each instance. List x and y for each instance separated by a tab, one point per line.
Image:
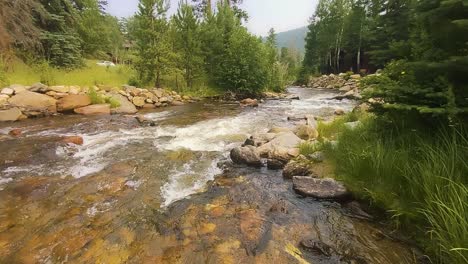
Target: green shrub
95	97
308	148
420	177
114	103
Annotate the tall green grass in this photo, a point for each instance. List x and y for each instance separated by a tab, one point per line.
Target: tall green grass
90	74
421	178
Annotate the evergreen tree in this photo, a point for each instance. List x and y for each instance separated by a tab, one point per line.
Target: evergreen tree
188	42
155	56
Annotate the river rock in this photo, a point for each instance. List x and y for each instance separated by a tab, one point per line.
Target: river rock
11	114
298	167
18	88
60	89
249	102
316	246
32	102
277	130
77	140
177	103
149	106
8	91
339	112
158	92
138	101
306	132
97	109
282	143
126	107
39	88
75	90
15	132
3	99
345	88
259	139
320	188
317	156
246	155
72	101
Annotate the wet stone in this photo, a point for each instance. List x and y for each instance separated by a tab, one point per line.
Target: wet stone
319	188
316	246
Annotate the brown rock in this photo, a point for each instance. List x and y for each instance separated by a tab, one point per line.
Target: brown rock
306	132
77	140
246	155
249	102
98	109
11	114
31	101
177	103
339	112
149	106
15	132
72	101
138	101
319	188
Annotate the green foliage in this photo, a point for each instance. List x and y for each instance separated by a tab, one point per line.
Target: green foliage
114	103
308	148
418	176
3	75
45	73
95	97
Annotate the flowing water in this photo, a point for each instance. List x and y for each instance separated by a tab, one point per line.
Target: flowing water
167	194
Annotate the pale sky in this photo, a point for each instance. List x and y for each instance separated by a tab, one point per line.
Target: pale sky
282	15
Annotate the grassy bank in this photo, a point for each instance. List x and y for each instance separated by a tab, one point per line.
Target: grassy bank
91	74
420	177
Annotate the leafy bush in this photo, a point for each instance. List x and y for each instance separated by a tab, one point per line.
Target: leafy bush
114	103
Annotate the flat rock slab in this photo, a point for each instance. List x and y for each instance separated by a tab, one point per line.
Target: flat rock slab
320	188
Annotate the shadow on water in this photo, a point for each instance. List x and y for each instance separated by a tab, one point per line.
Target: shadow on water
121	197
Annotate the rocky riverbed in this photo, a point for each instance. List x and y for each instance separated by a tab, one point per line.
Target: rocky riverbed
169	193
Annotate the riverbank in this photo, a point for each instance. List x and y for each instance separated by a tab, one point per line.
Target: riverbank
18	102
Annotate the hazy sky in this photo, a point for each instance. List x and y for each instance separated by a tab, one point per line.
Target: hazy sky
264	14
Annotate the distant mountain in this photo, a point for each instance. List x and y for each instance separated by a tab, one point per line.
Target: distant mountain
292	38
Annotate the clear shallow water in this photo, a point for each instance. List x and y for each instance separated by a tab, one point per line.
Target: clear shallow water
120	196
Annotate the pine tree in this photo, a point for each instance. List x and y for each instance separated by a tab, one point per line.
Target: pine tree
188	42
155	55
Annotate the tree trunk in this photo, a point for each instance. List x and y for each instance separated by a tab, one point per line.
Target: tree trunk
358	59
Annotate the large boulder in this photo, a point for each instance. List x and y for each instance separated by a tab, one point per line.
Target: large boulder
31	101
73	101
3	99
126	107
246	155
306	132
283	142
320	188
18	88
277	130
298	167
12	114
97	109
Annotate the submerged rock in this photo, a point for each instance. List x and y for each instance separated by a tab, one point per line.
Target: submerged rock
246	155
320	188
15	132
249	102
77	140
317	247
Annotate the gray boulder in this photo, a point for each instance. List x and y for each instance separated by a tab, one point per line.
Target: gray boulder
246	155
320	188
126	107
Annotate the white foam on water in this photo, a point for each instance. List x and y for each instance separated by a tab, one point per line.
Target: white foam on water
184	181
211	135
14	170
4	181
